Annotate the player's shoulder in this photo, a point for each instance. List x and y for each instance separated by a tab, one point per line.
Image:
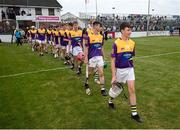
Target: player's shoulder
132	41
71	31
80	30
118	40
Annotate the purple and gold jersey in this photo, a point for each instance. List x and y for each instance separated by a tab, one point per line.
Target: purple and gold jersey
28	33
89	31
33	34
85	35
76	38
41	34
95	44
61	32
123	51
49	34
66	38
56	37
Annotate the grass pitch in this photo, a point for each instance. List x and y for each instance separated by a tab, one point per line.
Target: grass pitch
32	98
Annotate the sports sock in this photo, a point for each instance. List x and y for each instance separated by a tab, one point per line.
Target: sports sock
134	110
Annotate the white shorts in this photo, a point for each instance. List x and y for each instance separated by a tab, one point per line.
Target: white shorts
76	50
41	42
33	41
96	61
124	75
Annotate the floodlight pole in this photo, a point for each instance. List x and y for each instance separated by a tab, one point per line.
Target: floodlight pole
86	14
148	18
96	9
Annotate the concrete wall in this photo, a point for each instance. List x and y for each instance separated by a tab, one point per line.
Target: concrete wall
7	38
143	34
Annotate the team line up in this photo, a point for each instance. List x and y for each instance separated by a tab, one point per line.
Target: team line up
77	47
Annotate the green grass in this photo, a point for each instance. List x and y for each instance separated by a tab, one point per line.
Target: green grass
56	99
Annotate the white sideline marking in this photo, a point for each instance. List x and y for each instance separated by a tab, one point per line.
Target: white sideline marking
63	68
157	55
32	72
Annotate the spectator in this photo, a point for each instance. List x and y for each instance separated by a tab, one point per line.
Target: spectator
106	34
12	35
18	37
171	31
3	14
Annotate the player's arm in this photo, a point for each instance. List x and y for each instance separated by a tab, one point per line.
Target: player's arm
30	35
59	38
113	68
133	54
69	44
103	49
86	50
46	37
66	37
86	55
50	36
36	35
54	38
85	34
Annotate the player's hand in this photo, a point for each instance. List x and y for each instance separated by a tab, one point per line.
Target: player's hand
113	79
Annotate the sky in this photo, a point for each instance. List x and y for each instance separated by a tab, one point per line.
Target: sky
163	7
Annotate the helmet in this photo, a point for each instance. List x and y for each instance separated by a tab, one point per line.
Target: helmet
115	90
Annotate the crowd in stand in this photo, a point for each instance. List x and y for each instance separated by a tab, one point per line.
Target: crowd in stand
139	22
110	22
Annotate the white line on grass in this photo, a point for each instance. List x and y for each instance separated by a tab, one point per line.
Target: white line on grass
63	68
32	72
156	55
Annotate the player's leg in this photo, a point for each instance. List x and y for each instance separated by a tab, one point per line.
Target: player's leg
63	54
46	46
96	76
102	80
79	67
35	45
74	58
41	48
50	46
117	86
132	95
90	67
100	68
59	52
32	45
67	56
56	51
54	48
80	59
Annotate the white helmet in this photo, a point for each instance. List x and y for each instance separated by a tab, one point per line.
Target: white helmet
115	90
